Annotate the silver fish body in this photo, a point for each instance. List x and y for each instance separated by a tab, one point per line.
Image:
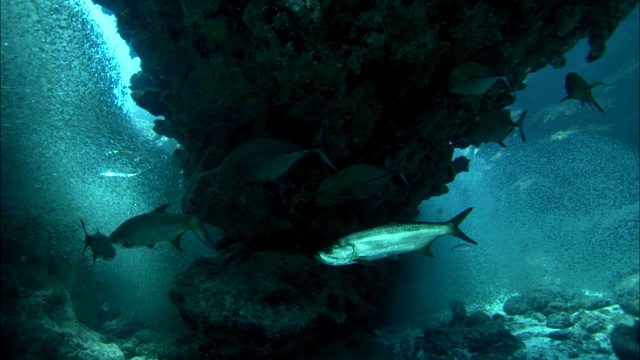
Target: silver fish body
158	227
391	240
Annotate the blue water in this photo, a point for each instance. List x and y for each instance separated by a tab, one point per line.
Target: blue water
560	210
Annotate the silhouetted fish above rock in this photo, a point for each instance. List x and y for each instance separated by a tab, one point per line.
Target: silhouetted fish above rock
356	182
471	78
491	126
266	159
578	88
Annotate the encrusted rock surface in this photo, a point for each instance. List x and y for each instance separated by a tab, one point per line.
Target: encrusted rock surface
224	72
274	304
375	75
42	325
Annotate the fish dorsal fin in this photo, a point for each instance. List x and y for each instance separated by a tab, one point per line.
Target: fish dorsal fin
427	250
161	209
83	228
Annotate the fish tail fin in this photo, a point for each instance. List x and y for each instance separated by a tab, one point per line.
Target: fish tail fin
519	125
322	149
507	82
594	104
201	233
592	101
455	230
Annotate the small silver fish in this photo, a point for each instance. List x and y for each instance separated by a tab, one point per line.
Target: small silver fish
471	78
391	240
99	245
158	227
461	247
356	182
578	88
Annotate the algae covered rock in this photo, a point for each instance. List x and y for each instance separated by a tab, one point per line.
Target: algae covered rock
272	303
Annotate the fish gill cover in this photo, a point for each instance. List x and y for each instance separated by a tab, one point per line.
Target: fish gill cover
377	75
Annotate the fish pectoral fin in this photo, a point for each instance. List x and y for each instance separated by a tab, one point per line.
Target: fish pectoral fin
282	181
150	246
161	209
365	262
426	251
393	256
176	241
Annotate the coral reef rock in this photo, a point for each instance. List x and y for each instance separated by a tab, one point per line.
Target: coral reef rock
274	304
46	318
223	73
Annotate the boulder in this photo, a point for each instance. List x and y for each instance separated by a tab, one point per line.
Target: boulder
270	304
624	341
45	318
559	320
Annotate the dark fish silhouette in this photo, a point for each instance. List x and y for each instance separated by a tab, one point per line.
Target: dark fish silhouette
356	182
491	126
157	227
267	159
471	78
99	244
578	88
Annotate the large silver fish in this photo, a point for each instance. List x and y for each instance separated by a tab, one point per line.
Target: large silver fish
158	227
99	245
391	240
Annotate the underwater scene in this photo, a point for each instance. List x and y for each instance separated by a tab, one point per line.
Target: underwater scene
318	179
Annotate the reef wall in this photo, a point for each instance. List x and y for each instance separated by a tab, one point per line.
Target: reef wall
365	81
375	73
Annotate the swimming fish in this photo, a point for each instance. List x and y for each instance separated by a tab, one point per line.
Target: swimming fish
491	126
471	78
578	88
391	240
461	247
158	227
99	245
267	159
356	182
